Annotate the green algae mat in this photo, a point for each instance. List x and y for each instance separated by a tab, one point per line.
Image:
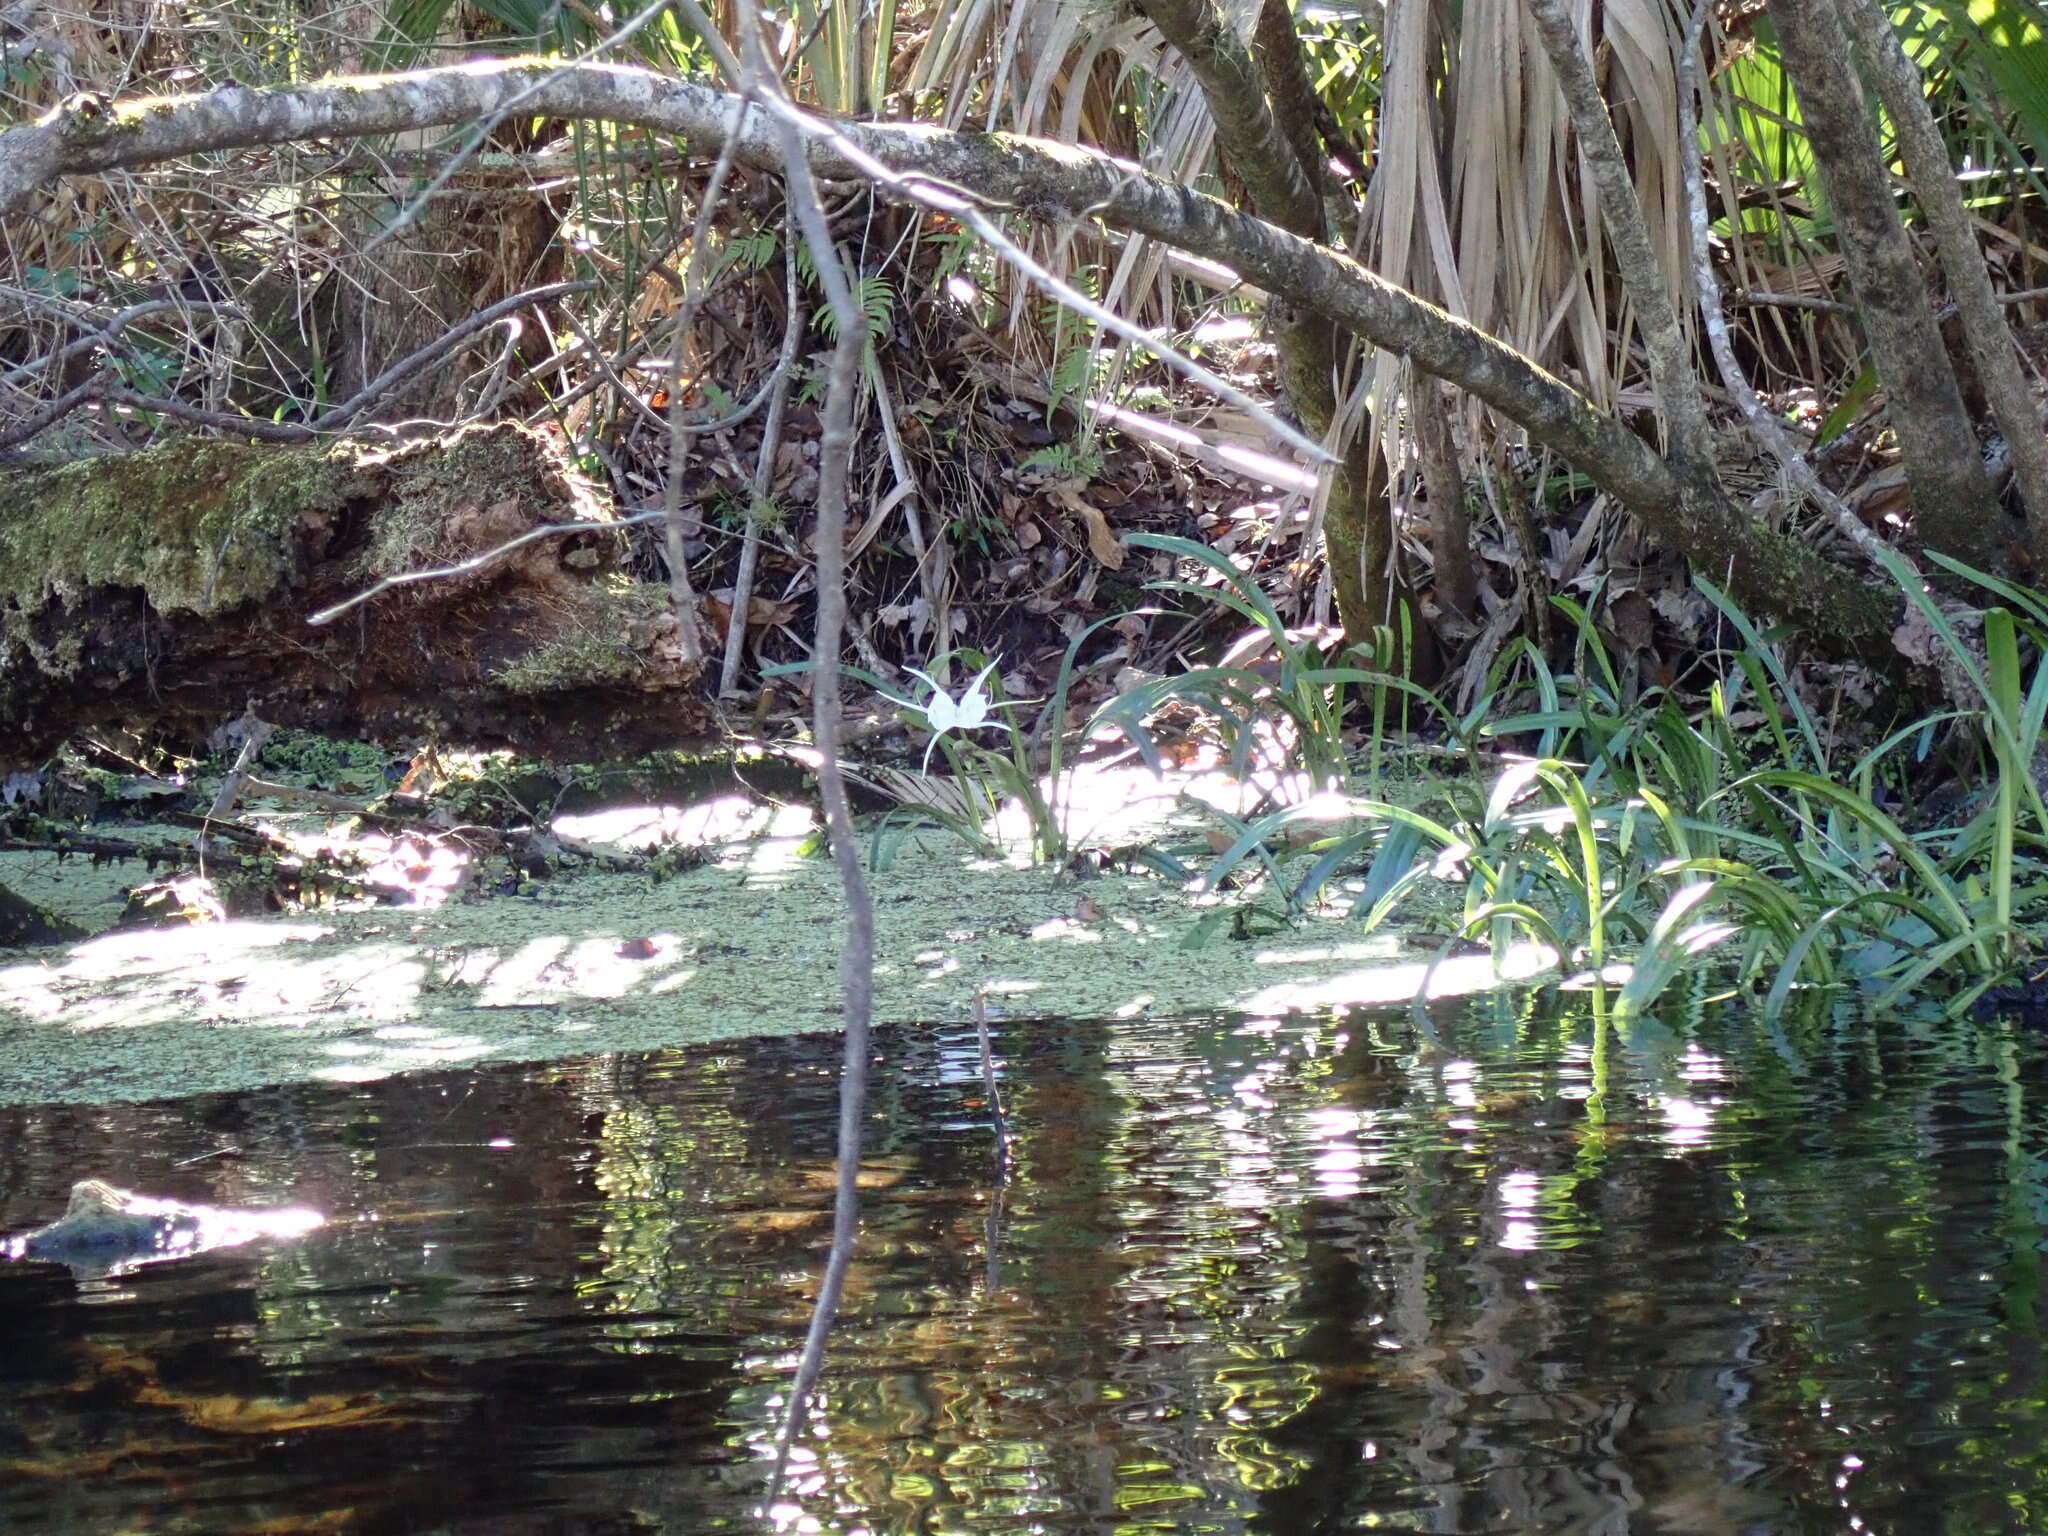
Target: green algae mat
746	944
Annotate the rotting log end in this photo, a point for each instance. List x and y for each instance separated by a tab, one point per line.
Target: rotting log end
170	588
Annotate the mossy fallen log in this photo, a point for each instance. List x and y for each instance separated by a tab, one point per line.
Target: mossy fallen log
172	588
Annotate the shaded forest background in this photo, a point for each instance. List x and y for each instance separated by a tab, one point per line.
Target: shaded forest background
1651	387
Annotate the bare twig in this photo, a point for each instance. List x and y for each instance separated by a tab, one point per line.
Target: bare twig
255	732
329	421
933	568
608	366
481	131
476	562
608	372
682	595
92	389
498	374
776	389
221	421
105	334
1756	298
336	417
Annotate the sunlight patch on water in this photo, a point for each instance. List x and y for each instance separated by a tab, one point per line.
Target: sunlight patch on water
1519	1193
1459	976
728	819
400	1048
1698	1066
289	968
597	966
1687	1122
746	943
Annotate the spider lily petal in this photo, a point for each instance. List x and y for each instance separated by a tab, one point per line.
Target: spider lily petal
943	712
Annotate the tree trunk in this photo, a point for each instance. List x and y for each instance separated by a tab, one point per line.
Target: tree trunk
1954	508
461	246
1899	86
1450	526
172	588
1260	107
467	248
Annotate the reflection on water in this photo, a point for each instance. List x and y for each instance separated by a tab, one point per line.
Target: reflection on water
1290	1277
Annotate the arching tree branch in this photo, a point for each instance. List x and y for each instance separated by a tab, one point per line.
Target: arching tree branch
1038	178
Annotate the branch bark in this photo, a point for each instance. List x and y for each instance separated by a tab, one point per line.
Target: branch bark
1253	138
1045	180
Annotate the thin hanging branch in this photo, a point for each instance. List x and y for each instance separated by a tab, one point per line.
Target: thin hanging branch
681	595
857	956
992	1229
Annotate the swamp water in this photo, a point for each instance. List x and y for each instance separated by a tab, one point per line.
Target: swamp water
1291	1276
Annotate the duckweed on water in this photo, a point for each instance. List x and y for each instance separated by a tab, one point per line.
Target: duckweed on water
746	945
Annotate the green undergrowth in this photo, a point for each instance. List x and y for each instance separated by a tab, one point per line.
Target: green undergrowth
1635	836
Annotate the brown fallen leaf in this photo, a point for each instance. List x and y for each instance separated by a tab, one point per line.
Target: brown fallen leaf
761	611
1102	543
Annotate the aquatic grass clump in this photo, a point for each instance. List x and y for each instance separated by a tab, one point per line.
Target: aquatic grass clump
1948	901
1733	834
1764	835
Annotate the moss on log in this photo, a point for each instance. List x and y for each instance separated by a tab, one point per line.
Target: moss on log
171	588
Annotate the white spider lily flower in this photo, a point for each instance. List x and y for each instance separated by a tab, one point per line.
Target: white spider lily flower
943	712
